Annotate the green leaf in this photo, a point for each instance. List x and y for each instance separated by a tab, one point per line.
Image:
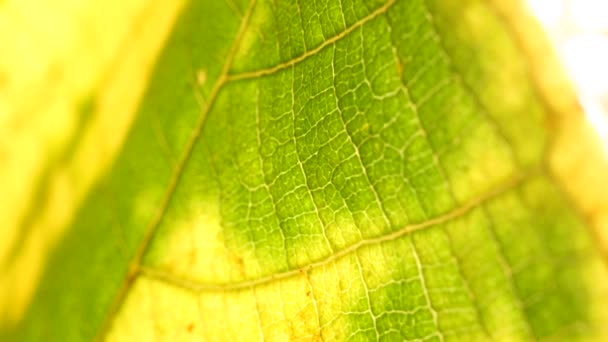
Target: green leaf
327	170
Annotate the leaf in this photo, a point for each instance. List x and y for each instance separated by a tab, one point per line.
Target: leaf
335	170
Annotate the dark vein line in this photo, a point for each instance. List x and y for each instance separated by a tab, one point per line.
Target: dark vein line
134	268
300	58
197	286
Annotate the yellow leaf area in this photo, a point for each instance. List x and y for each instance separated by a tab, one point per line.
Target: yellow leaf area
71	76
305	171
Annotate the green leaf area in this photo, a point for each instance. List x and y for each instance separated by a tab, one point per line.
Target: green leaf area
352	170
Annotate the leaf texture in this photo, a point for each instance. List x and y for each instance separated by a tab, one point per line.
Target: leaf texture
330	170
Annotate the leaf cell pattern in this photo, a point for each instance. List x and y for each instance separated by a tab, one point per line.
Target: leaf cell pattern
351	170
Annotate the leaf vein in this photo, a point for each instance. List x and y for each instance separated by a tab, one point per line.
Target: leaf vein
197	286
134	267
300	58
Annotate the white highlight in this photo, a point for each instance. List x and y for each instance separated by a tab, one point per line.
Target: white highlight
548	12
597	116
579	31
585	56
590	15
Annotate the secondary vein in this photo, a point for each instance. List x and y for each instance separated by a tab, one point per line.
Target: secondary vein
197	286
300	58
134	269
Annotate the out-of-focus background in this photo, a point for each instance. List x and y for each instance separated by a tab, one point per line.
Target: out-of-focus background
70	71
578	30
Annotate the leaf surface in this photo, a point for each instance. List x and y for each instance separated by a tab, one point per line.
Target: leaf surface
331	170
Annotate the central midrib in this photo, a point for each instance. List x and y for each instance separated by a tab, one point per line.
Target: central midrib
135	267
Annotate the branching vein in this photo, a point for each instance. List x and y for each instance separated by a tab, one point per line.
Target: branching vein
279	67
189	284
135	264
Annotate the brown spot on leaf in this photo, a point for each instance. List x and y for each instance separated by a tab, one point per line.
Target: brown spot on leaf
240	264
